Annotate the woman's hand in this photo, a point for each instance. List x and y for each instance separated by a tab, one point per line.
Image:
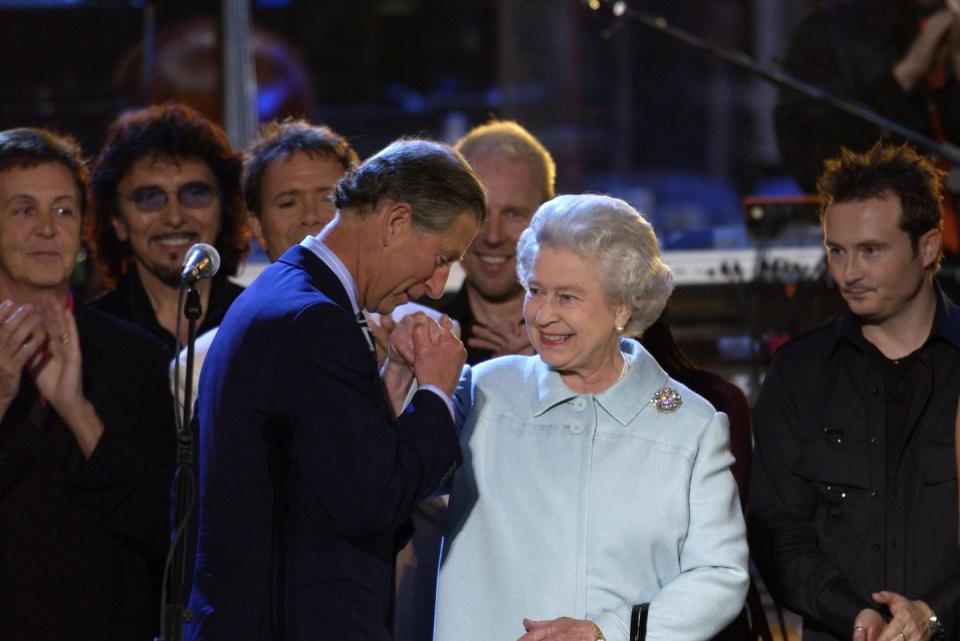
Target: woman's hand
21	335
562	629
381	328
400	340
397	370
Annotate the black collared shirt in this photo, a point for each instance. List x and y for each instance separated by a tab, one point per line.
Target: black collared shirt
130	302
830	520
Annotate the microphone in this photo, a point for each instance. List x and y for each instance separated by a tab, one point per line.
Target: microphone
202	261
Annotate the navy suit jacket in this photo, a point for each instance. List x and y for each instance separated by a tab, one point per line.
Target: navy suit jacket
306	480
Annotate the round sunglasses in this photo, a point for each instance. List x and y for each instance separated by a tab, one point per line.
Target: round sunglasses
193	195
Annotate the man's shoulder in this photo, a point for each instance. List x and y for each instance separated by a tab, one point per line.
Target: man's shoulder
812	346
108	302
109	334
225	291
284	291
115	301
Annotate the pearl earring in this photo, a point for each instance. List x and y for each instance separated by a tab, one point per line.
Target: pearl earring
619	328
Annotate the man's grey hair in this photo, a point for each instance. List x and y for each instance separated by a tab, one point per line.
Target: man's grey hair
434	179
611	232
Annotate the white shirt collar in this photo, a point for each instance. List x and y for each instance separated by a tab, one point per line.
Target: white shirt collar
331	260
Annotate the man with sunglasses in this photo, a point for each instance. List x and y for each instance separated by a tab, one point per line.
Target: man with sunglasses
165	179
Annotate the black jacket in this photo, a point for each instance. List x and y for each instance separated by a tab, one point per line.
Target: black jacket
82	541
130	302
826	529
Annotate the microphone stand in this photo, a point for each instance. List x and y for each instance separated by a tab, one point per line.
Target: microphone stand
175	612
780	77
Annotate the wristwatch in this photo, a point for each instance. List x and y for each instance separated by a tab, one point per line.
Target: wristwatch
937	633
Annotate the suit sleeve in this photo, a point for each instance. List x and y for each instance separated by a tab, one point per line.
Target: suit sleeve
368	471
783	538
710	590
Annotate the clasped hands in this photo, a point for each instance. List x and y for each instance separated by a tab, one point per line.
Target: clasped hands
910	620
43	336
427	350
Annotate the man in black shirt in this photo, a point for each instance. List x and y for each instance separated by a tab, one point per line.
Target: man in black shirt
165	179
853	501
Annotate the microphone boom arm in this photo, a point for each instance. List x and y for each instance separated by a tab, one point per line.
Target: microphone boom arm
778	76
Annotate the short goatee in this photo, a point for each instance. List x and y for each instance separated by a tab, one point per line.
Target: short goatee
169	276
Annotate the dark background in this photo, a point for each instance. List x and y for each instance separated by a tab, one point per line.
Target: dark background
624	109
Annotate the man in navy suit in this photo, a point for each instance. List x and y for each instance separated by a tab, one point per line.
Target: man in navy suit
307	474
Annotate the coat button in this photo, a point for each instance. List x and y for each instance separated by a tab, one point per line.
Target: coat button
874	440
576	429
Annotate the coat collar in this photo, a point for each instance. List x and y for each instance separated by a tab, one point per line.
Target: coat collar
946	322
322	277
627	398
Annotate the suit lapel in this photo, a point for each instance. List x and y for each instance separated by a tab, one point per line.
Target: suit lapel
326	281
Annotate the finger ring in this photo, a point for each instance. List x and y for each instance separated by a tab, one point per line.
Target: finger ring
64	338
903	635
859	628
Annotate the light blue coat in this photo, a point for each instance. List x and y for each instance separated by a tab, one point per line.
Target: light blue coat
582	505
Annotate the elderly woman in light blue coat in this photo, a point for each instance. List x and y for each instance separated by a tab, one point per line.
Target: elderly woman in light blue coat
591	481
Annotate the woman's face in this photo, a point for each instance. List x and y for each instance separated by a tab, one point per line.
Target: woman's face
570	320
39	227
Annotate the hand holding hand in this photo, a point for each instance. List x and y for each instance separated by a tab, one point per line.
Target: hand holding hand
400	341
381	330
438	354
562	629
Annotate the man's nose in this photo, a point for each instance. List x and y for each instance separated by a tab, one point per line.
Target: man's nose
492	231
437	282
173	212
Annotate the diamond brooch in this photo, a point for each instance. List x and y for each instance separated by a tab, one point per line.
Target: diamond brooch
667	399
